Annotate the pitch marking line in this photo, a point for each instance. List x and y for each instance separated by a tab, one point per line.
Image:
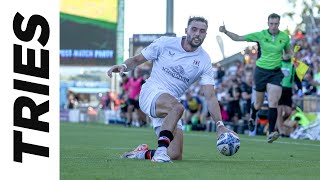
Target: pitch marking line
259	140
146	130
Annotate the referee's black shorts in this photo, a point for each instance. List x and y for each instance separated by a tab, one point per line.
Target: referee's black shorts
286	97
264	76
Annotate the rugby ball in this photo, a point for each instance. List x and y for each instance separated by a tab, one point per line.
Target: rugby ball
228	143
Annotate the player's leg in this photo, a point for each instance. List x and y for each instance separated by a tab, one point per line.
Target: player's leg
287	112
274	94
174	150
280	118
261	78
171	110
255	106
141	115
130	112
142	118
176	146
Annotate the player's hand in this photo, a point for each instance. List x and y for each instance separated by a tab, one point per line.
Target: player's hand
223	129
223	28
116	69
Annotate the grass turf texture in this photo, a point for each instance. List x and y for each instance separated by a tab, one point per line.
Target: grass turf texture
92	151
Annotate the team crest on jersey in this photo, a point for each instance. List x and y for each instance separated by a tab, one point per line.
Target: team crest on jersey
178	69
196	62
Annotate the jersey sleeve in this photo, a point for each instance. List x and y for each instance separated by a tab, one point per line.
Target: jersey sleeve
207	77
153	51
252	37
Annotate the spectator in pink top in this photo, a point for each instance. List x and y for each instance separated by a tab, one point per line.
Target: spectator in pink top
124	96
125	83
135	83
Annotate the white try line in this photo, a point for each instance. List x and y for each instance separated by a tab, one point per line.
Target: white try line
118	148
259	140
146	130
255	160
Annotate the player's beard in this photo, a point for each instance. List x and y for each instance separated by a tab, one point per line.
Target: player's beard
190	41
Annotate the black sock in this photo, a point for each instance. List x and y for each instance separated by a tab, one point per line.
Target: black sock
254	111
165	137
149	154
272	117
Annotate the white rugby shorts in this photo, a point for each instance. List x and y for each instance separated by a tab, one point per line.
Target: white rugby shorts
147	99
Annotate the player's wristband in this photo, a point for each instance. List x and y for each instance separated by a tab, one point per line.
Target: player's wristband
125	66
219	123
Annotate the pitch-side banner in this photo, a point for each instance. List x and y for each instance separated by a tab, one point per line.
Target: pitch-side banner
29	118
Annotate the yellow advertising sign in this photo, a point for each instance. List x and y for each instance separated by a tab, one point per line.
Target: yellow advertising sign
104	10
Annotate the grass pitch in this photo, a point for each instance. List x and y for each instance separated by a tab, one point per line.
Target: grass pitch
92	152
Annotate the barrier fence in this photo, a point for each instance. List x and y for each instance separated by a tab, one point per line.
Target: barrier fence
309	104
91	115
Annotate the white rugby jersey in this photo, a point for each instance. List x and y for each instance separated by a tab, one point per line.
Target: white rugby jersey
174	69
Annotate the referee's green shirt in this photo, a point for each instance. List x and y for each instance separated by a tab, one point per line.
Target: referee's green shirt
271	48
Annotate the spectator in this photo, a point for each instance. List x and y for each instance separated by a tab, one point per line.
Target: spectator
309	85
246	94
192	106
234	110
135	83
72	101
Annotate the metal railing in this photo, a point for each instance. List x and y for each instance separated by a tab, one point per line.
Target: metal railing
309	104
96	116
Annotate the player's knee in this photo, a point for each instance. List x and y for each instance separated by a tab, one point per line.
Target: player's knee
178	109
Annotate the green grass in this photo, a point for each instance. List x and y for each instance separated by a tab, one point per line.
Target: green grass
92	151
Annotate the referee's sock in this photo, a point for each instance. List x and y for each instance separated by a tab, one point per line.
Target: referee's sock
272	117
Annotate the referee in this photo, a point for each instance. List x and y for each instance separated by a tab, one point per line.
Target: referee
274	46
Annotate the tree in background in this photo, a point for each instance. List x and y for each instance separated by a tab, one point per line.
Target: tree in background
309	14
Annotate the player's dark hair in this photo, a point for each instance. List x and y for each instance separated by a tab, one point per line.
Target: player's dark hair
197	18
273	16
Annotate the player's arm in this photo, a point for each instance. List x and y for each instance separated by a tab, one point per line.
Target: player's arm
234	36
287	54
134	61
213	105
128	65
214	108
231	35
